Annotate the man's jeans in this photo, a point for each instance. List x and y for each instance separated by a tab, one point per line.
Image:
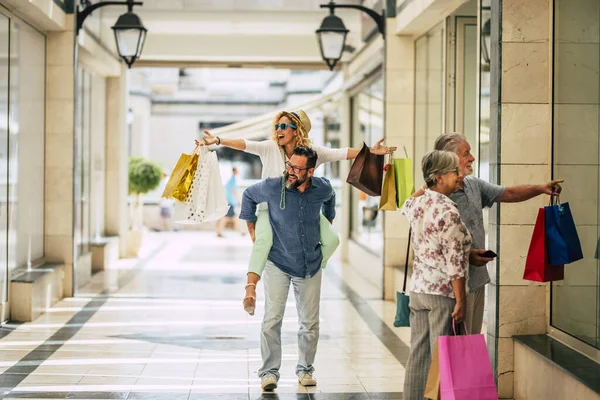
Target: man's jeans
308	294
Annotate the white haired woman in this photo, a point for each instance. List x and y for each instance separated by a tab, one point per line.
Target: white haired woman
441	244
290	130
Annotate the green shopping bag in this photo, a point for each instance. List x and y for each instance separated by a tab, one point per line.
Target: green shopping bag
405	182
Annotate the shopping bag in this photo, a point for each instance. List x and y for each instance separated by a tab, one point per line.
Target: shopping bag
181	178
561	234
432	387
402	310
387	201
403	300
465	368
216	202
206	199
405	182
537	265
366	172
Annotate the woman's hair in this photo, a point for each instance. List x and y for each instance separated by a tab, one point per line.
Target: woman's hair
449	141
438	162
301	136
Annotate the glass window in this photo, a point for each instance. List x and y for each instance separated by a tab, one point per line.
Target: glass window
4	121
429	104
82	233
26	144
575	303
367	127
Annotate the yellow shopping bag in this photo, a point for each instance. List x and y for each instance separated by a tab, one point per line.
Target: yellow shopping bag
405	182
387	201
182	176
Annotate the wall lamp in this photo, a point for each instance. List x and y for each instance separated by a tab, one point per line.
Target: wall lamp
130	33
332	32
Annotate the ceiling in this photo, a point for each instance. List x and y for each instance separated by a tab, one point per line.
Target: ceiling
225	33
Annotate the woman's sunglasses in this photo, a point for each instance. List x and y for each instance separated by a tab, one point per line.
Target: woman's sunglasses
283	126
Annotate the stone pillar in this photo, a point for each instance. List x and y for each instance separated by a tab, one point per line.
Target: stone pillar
399	131
60	122
345	141
520	148
117	218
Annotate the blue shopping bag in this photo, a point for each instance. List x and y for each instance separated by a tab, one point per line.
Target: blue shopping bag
562	240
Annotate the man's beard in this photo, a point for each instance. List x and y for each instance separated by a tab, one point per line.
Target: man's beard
294	184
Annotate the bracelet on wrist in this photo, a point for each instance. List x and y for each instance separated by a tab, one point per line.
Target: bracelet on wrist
218	141
249	285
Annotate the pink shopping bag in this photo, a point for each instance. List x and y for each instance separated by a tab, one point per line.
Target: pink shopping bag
465	368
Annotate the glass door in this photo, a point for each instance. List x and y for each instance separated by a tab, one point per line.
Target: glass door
4	126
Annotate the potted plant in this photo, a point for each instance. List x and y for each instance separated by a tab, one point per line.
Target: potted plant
144	176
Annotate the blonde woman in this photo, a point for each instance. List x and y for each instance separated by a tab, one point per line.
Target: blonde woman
442	245
290	130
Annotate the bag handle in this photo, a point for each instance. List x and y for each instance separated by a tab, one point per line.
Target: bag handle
454	326
406	263
554	198
405	153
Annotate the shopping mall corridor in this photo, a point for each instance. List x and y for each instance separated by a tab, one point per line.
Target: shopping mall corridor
170	326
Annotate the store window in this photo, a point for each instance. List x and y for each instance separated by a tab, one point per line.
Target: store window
575	306
26	145
82	170
429	94
367	127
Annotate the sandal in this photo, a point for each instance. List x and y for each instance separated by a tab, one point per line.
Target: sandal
249	304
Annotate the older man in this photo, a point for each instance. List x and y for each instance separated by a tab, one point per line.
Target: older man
475	195
295	202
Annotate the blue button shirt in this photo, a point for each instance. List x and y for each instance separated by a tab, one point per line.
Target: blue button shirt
296	246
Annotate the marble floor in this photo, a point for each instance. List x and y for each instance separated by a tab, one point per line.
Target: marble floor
170	325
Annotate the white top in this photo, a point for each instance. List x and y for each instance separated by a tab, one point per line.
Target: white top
441	243
273	158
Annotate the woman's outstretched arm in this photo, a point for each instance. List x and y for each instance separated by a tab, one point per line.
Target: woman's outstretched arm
378	149
209	139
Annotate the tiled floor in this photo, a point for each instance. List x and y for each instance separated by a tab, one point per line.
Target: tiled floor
171	326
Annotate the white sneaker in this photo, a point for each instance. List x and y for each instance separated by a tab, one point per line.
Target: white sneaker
268	382
307	379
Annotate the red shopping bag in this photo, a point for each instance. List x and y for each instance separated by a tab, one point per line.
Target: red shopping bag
537	266
465	368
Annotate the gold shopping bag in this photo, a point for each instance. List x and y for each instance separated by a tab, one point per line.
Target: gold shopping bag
182	176
432	387
387	201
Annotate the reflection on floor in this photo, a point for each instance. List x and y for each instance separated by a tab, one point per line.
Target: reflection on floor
171	326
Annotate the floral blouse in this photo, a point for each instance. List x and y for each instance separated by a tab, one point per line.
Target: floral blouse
441	243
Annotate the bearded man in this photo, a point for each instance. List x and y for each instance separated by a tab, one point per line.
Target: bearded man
294	202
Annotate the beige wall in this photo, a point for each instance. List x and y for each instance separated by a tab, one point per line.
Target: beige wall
60	110
399	131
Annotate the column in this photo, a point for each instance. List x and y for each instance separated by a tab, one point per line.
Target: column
60	122
520	148
399	129
117	220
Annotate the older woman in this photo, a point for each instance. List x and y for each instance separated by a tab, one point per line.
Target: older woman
290	130
441	245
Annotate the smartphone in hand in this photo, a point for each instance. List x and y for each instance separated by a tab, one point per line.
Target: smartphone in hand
489	254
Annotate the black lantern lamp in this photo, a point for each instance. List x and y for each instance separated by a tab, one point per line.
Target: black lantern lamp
332	33
332	38
130	33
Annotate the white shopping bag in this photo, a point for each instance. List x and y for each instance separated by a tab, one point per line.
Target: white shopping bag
206	199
